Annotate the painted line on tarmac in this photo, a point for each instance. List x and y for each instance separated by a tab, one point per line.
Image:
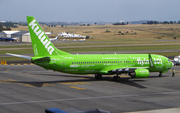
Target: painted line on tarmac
88	98
77	88
18	64
43	85
74	83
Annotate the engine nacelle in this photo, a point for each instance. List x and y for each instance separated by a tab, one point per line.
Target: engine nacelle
140	73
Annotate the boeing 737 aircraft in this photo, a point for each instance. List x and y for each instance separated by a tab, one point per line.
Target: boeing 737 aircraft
49	57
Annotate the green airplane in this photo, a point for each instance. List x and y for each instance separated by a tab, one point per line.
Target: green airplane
49	57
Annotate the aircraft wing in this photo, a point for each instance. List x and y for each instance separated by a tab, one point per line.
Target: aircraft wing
115	69
108	69
21	56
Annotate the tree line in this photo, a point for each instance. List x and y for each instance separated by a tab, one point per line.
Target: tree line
1	27
164	22
120	23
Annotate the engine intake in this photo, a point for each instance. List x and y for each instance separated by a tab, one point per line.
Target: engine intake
140	73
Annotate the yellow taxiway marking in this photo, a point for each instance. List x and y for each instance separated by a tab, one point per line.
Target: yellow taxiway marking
8	80
73	83
6	70
90	74
19	64
82	78
124	75
29	85
77	88
46	84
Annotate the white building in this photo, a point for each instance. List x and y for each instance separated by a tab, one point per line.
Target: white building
7	34
21	36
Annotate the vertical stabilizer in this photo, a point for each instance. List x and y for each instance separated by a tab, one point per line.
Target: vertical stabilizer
41	44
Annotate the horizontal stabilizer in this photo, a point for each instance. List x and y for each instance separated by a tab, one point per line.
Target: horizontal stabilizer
21	56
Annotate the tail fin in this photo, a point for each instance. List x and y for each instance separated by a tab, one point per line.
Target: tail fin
41	44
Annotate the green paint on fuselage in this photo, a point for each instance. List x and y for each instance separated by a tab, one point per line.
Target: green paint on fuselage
94	63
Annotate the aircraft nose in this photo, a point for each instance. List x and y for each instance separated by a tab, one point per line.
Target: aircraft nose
169	65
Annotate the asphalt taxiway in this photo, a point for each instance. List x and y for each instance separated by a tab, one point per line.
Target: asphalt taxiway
32	89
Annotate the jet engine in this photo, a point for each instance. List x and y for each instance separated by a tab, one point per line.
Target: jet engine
140	73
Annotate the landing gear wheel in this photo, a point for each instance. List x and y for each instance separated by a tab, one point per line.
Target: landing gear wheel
160	74
98	76
116	78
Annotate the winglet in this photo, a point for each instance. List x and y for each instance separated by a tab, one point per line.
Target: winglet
151	63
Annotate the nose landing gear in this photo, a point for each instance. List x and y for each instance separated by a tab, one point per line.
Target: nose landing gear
98	76
160	74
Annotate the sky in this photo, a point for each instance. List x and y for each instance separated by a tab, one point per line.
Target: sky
90	10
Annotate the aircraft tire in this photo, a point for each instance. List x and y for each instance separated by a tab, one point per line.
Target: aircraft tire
98	76
116	78
160	75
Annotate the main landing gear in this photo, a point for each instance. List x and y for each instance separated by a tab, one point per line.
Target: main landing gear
98	76
160	74
116	78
